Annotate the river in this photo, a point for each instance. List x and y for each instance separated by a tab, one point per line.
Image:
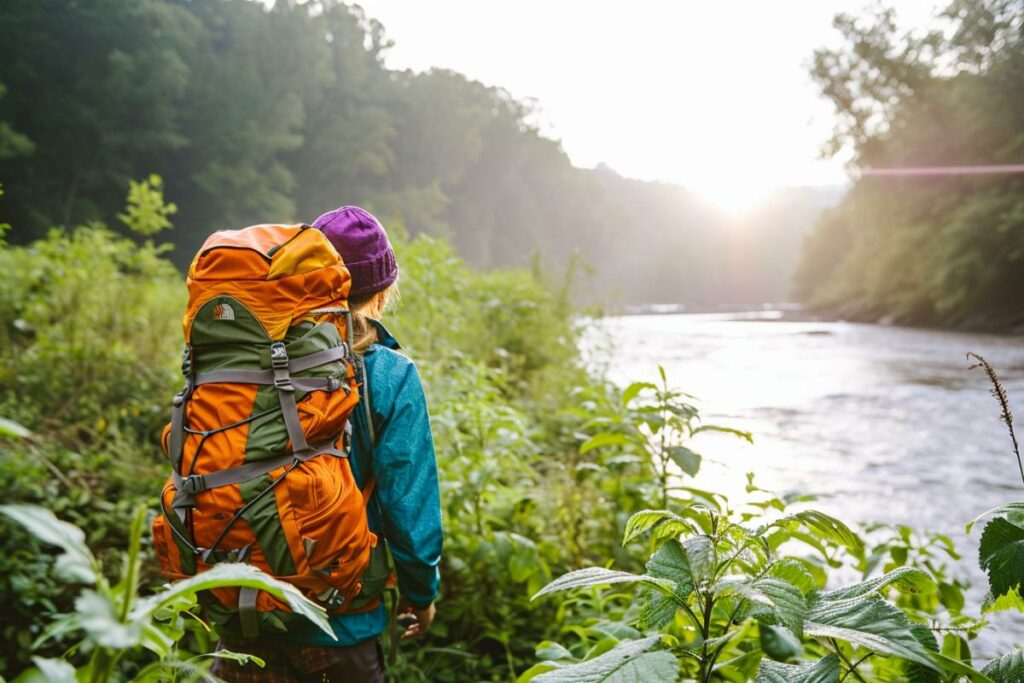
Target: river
885	424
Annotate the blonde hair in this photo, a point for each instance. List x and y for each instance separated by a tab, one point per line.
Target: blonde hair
363	309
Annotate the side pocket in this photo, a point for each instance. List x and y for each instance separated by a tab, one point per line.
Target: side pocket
375	577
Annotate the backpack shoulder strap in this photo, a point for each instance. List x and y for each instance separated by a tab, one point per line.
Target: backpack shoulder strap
367	433
365	399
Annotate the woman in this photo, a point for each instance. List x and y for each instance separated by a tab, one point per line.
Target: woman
392	442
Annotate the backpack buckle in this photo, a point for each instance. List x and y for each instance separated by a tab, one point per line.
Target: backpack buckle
331	598
279	362
278	356
193	484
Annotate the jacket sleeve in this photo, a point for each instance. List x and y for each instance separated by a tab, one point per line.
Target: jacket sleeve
407	488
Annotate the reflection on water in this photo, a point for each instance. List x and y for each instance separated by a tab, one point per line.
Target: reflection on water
883	423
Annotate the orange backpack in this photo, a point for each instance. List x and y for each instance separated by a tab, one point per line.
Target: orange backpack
259	435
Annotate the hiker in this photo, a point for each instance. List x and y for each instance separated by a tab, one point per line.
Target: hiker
391	441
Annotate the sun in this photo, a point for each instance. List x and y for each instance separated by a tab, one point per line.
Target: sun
735	197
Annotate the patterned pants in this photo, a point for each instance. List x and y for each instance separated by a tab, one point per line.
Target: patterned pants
290	663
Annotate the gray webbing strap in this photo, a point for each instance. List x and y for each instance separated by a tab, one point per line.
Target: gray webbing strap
176	438
188	487
211	556
235	377
286	395
364	398
267	377
319	358
247	611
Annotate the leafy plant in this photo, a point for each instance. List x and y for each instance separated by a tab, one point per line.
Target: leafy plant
113	623
146	212
657	422
1001	551
728	604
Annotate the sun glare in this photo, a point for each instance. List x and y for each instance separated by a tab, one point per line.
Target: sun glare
733	197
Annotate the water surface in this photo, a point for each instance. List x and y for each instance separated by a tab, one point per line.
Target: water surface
886	424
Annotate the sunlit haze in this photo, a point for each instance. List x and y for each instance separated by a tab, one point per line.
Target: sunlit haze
714	96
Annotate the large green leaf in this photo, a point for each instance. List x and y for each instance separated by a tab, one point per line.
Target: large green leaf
234	574
656	610
905	579
687	460
634	389
1014	510
914	672
822	525
599	576
1002	555
822	671
1006	669
76	564
869	622
667	524
742	589
789	604
779	643
700	558
794	572
628	662
98	617
669	562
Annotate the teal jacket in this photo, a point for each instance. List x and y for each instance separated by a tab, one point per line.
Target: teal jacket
405	508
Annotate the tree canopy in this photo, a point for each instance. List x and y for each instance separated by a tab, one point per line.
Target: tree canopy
943	249
254	114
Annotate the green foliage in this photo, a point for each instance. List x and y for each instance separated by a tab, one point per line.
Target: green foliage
1006	669
521	497
729	590
244	133
946	250
88	325
1002	555
87	319
542	464
111	623
629	660
147	213
825	670
1000	550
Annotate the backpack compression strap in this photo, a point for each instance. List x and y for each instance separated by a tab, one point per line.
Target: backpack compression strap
279	375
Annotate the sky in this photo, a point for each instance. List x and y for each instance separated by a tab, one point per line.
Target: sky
713	95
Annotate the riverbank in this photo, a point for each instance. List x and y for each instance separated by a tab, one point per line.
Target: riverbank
1011	324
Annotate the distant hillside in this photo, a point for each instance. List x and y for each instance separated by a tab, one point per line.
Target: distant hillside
664	245
243	134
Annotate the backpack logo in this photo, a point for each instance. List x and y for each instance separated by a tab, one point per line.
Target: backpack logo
223	312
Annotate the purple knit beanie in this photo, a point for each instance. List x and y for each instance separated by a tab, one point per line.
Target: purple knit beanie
363	245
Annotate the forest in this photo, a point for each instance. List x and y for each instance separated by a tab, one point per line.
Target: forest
101	93
578	546
938	250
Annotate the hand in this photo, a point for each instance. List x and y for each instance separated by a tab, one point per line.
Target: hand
423	618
